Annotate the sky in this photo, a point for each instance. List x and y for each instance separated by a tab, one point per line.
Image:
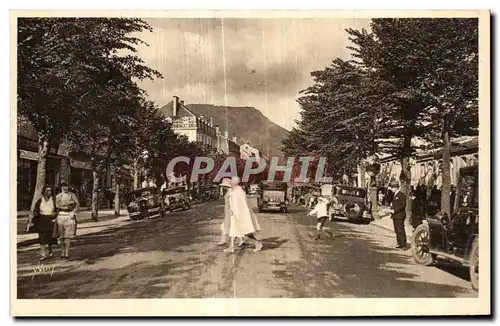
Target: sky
257	62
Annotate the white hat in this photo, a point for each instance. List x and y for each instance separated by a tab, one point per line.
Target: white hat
226	182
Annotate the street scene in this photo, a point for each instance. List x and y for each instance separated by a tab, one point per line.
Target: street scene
178	257
248	158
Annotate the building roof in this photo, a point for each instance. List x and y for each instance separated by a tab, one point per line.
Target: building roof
182	111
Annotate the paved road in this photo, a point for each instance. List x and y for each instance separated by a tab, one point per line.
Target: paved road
177	257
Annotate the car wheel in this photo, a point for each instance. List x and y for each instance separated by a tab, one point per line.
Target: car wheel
474	266
420	246
260	209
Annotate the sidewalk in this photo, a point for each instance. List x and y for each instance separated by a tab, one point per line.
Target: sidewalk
25	214
85	226
385	222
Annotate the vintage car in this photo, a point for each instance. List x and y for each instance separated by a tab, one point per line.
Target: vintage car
327	191
253	189
210	193
273	195
350	202
145	203
456	238
175	198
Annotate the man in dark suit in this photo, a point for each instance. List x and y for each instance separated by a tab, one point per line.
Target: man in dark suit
398	216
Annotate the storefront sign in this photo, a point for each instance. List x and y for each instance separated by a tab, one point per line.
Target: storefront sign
64	149
80	164
27	155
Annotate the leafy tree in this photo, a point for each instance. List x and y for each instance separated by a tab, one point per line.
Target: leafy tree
49	84
69	70
387	53
337	119
448	83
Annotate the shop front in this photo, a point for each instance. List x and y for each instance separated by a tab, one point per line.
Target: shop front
81	180
27	165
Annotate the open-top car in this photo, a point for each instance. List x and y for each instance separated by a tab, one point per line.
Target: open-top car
145	203
350	202
455	238
273	195
176	198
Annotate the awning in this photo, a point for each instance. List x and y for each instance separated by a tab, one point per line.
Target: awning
80	164
28	155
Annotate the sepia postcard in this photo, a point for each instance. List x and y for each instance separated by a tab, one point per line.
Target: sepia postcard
250	163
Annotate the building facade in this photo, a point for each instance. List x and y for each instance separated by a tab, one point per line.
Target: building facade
425	167
198	128
64	163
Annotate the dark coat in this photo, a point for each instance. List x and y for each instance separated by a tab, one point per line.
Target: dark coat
399	206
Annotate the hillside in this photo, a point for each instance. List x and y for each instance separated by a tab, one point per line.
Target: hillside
247	123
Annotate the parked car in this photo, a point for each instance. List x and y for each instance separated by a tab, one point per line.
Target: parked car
176	198
454	238
352	202
273	195
254	188
145	202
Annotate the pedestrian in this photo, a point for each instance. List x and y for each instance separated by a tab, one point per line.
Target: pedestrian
226	183
226	224
44	215
398	215
321	211
333	205
312	199
67	206
453	194
380	197
243	223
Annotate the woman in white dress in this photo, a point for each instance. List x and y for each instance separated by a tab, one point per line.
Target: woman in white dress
243	223
226	184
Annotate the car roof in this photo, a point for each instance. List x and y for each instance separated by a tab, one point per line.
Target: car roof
349	187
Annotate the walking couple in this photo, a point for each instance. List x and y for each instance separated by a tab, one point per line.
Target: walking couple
239	220
55	217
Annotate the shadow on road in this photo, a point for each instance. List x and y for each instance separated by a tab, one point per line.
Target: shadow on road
134	259
355	264
273	243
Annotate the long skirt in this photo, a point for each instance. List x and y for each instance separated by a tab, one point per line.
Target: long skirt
45	227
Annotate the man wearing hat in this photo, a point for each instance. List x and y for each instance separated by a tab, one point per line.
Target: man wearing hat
398	210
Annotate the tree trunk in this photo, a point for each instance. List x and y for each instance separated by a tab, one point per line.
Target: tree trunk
117	198
405	177
43	149
95	196
362	172
445	169
136	176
